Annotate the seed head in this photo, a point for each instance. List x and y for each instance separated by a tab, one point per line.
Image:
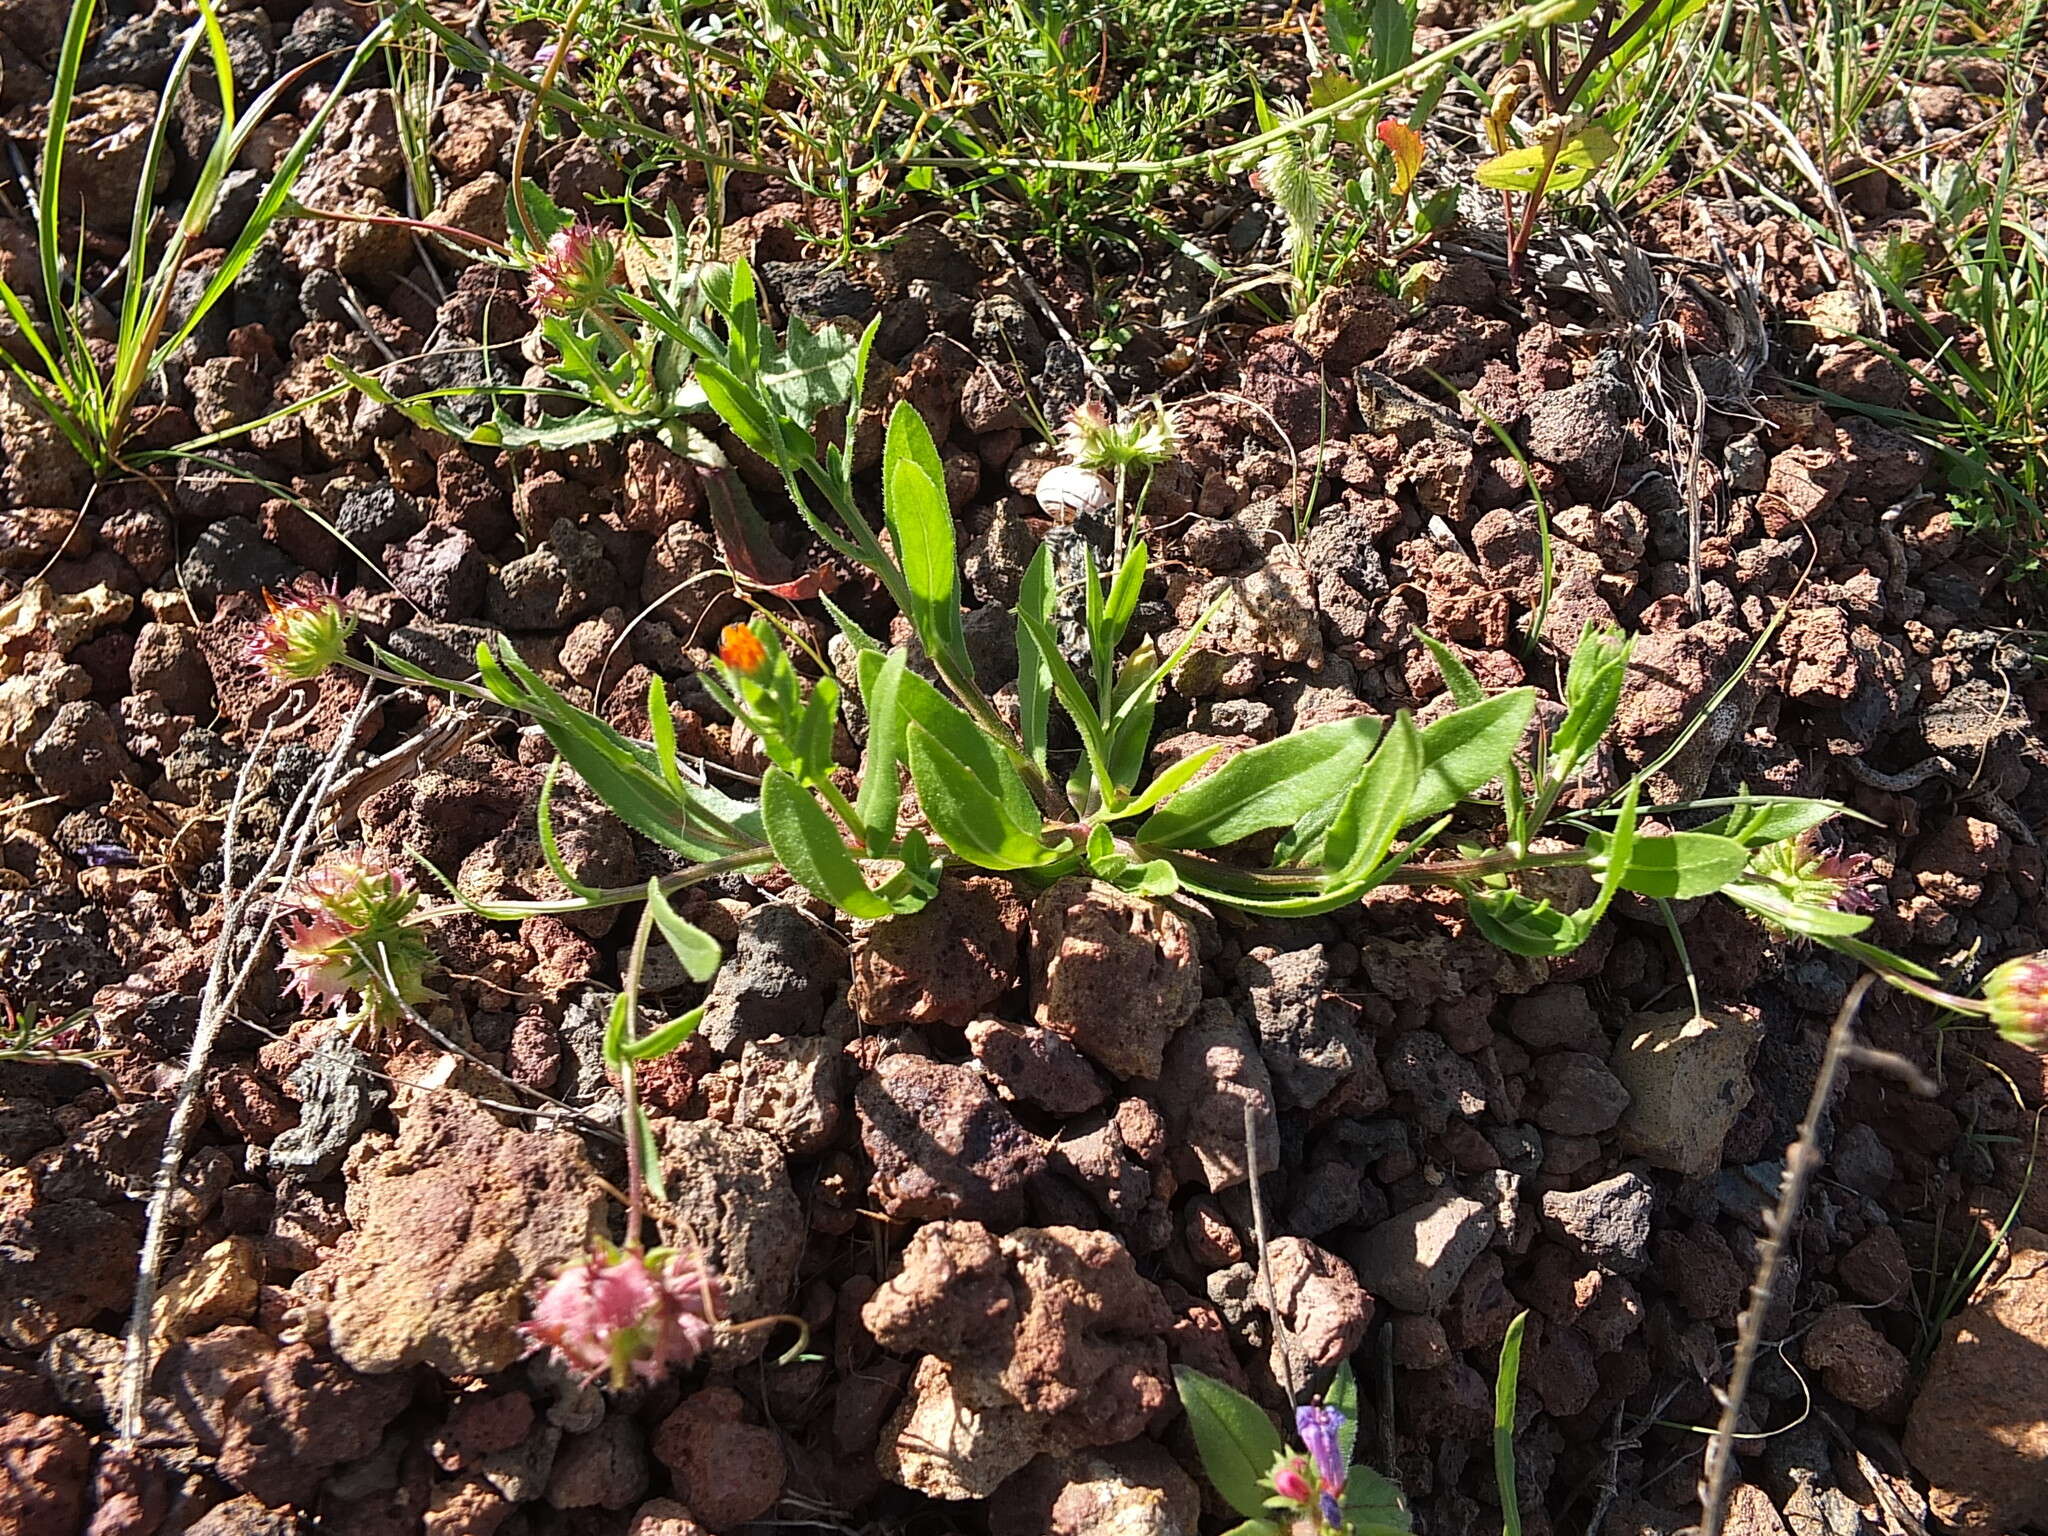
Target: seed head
1093	439
2017	993
626	1315
306	632
1844	882
582	266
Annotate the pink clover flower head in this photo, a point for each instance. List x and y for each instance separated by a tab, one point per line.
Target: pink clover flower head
625	1315
316	959
350	933
1810	877
305	632
2017	993
582	266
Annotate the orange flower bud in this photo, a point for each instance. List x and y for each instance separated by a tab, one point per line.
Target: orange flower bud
741	649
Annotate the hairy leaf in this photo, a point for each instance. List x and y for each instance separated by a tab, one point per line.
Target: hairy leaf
1273	785
921	526
695	950
1236	1440
1676	865
808	844
969	820
1469	748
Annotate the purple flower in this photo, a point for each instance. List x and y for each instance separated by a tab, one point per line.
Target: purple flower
1333	1513
1319	1428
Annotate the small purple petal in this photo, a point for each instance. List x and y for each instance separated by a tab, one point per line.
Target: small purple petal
1332	1515
1318	1428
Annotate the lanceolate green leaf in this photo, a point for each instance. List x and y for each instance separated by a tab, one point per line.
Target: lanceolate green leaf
957	732
1375	810
1167	781
1469	748
1676	865
1770	821
1458	678
1034	677
1236	1440
1507	1378
1770	904
881	788
654	1046
1079	707
807	843
1343	1396
1273	785
625	775
695	950
1592	693
921	526
968	819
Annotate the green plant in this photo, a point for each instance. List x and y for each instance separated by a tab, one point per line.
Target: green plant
1314	1491
28	1034
1356	803
1985	411
618	364
94	404
1507	1382
1570	61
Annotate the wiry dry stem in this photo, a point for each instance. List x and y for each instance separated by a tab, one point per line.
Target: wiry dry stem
1802	1159
225	979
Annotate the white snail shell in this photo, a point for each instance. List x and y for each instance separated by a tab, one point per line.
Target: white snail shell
1066	491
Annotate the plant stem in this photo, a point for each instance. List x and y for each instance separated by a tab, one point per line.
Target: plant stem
400	680
629	1085
605	896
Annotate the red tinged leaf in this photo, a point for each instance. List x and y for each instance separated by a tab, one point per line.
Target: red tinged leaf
749	551
1405	144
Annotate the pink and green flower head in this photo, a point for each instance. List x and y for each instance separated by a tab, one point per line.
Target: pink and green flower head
1291	1479
350	935
626	1316
2016	994
1811	877
306	631
581	267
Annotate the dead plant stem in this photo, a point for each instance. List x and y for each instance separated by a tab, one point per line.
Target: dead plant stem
225	980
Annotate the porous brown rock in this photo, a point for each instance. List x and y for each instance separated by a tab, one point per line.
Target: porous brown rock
942	1144
1979	1428
729	1190
62	1261
456	1222
1212	1072
1112	972
306	1412
945	963
1046	1338
1687	1080
727	1470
